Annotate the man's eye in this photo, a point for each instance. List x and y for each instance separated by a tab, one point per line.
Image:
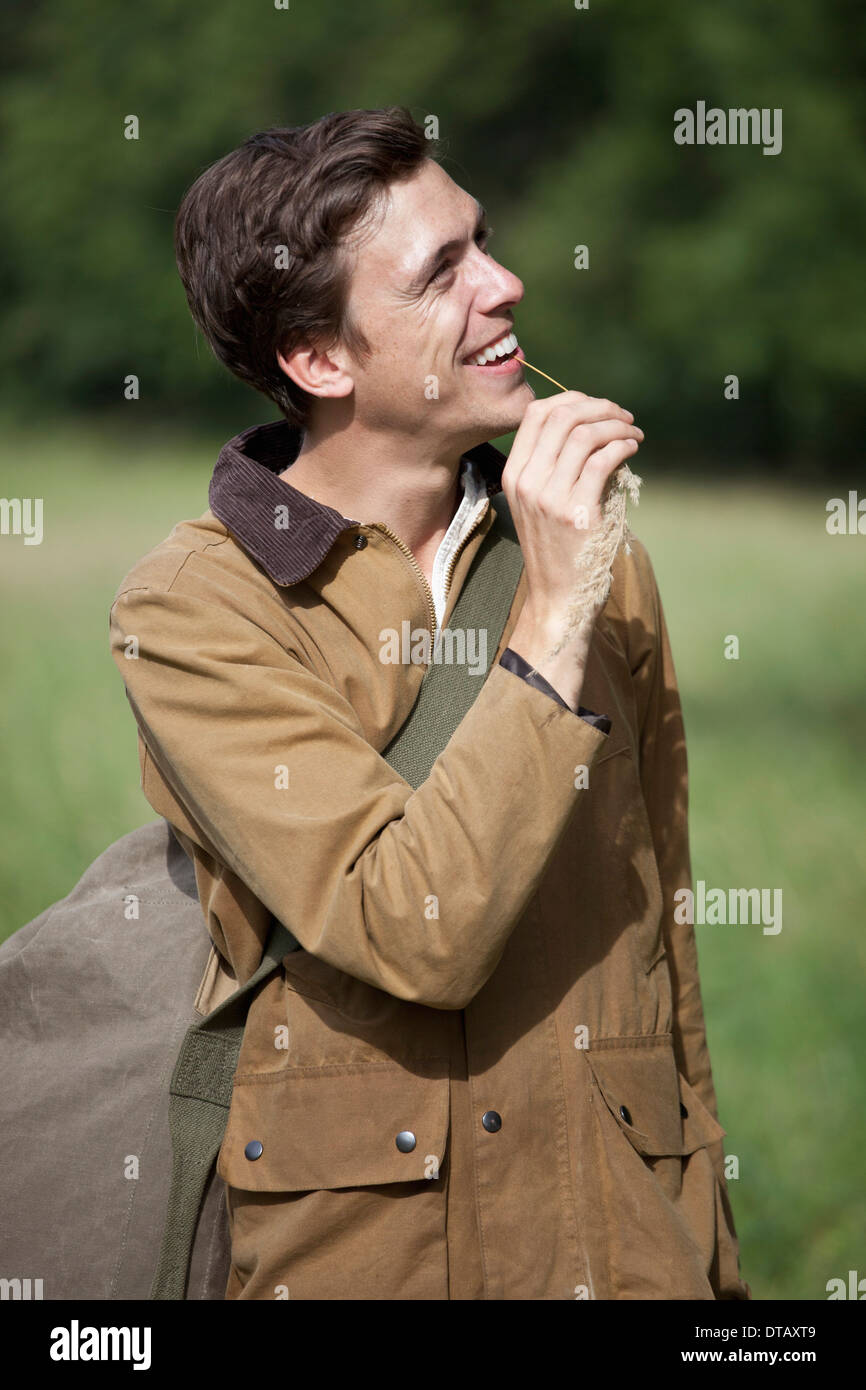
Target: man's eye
482	236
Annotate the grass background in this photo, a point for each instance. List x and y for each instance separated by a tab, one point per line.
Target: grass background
776	750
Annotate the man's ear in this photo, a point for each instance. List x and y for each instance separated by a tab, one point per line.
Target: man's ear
318	372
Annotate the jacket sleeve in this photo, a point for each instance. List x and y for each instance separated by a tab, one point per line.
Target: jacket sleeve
513	662
664	781
412	891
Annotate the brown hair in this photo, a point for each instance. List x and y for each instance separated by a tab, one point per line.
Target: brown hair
260	239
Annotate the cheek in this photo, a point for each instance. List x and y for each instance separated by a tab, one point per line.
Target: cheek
429	340
440	320
391	377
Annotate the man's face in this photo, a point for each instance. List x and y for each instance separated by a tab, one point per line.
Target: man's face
429	298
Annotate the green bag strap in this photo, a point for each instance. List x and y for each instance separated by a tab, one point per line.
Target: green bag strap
448	690
198	1104
201	1085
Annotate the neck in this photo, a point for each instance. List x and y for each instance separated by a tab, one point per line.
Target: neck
409	485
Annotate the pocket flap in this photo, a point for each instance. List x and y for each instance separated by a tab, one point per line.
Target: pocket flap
333	1127
651	1101
699	1126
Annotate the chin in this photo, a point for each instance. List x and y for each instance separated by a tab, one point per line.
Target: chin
507	420
479	421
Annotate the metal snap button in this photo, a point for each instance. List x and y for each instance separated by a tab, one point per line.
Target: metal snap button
492	1121
626	1115
405	1141
254	1149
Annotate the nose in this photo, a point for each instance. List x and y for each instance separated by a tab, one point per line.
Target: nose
496	287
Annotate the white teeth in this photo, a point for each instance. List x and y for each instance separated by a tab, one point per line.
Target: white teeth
501	348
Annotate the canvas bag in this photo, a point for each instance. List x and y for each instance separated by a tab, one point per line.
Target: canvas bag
105	1061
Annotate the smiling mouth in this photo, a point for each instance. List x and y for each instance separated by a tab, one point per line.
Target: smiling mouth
501	351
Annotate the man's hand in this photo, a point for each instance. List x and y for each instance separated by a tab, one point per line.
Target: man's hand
564	453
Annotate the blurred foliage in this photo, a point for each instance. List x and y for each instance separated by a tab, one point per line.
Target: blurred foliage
704	260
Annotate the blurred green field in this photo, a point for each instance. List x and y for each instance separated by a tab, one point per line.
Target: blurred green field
776	741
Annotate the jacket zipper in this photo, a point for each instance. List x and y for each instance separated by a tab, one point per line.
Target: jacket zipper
401	545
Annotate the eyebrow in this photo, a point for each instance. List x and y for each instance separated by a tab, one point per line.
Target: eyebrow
424	272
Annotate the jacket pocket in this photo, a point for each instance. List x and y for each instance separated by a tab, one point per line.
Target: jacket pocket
331	1127
660	1114
336	1182
660	1189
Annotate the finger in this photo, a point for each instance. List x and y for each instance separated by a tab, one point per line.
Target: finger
565	424
583	441
527	436
597	469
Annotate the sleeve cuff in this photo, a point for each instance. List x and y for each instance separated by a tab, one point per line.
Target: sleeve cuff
512	662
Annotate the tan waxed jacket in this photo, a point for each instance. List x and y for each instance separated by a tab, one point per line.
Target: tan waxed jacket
486	1074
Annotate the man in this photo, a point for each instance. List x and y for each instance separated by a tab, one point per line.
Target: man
485	1076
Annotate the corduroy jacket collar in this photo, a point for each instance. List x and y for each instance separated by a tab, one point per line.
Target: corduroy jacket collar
246	487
